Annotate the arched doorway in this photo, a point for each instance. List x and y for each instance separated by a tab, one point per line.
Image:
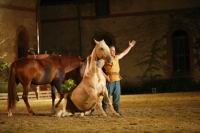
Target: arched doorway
22	42
181	54
107	36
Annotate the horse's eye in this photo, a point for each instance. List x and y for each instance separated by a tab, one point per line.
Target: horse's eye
102	49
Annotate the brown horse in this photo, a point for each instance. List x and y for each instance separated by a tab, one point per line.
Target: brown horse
50	70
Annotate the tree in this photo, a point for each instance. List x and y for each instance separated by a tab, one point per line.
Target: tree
153	61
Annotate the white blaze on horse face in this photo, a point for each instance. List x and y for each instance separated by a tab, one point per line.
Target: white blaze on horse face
100	63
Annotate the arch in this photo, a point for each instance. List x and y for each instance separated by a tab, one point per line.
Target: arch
180	54
22	42
107	36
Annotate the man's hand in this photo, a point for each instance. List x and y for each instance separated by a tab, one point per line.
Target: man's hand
125	52
107	78
132	43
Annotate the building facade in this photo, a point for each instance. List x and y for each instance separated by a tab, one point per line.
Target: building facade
167	33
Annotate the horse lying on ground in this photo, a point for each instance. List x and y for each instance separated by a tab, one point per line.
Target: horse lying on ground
92	89
50	70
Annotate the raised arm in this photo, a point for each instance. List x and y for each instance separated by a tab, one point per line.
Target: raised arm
126	51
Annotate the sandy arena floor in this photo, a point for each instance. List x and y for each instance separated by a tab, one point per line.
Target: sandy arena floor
163	113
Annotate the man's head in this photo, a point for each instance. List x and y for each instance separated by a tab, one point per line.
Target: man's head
112	50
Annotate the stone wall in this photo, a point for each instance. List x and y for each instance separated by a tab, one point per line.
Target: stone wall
13	15
144	29
150	23
59	34
189	21
137	6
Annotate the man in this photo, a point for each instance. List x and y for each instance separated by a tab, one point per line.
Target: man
113	77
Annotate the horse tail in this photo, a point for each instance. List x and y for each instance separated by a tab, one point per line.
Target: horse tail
11	88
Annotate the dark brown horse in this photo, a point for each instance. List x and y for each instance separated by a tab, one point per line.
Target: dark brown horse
50	70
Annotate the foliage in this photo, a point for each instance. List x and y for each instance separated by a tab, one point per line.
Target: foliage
3	87
4	70
32	51
68	85
153	61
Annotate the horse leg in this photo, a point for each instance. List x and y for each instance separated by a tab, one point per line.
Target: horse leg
108	100
25	98
35	88
61	97
99	105
63	112
53	96
58	86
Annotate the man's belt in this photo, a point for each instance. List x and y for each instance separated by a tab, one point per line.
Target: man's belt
113	73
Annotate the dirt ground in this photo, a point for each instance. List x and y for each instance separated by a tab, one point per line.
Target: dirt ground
167	112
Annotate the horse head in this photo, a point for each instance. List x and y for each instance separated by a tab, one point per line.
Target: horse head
102	51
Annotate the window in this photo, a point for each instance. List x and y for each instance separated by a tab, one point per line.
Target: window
181	60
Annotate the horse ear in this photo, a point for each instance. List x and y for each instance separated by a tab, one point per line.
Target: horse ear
103	41
97	42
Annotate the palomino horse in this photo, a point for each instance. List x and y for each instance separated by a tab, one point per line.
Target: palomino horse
50	70
92	89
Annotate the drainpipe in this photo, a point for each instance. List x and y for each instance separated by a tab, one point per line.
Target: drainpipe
79	27
38	25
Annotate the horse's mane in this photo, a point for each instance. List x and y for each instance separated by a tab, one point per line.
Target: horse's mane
87	67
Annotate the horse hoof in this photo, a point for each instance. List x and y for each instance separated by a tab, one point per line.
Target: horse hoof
105	115
87	113
62	113
82	114
118	114
59	114
66	114
31	112
10	114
